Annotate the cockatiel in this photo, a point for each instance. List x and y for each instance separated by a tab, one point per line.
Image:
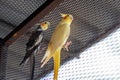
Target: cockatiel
34	43
57	42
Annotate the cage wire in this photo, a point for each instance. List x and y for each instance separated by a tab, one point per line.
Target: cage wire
3	61
92	18
99	62
14	12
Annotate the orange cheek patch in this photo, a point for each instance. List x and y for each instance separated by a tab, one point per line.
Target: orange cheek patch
65	17
42	24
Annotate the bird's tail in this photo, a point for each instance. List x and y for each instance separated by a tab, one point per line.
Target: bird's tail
46	57
24	61
56	58
26	58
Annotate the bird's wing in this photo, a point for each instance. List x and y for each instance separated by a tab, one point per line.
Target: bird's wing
34	39
59	37
33	43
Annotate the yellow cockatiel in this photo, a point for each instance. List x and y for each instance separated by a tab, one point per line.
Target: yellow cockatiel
58	40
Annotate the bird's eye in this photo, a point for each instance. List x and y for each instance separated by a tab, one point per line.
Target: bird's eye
45	22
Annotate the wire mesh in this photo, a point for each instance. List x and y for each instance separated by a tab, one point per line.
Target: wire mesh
92	18
99	62
3	60
4	30
15	12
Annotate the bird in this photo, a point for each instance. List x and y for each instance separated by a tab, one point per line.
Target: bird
34	43
57	42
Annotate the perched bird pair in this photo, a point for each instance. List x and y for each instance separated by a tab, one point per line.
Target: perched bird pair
57	42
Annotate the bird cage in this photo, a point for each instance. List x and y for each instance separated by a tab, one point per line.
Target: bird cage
95	50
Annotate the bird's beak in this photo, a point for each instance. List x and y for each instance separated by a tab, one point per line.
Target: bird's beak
63	15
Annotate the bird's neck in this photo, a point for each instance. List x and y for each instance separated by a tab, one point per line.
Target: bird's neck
39	29
66	22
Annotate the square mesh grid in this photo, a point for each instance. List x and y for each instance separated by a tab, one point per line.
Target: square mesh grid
99	62
3	61
15	12
92	18
4	30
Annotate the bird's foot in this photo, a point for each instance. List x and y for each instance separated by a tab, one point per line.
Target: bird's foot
66	46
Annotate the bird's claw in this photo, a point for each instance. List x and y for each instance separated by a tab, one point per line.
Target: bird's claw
66	46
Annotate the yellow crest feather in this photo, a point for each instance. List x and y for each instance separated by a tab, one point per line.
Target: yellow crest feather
63	15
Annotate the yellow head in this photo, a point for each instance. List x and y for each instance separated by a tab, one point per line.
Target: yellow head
67	17
44	25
